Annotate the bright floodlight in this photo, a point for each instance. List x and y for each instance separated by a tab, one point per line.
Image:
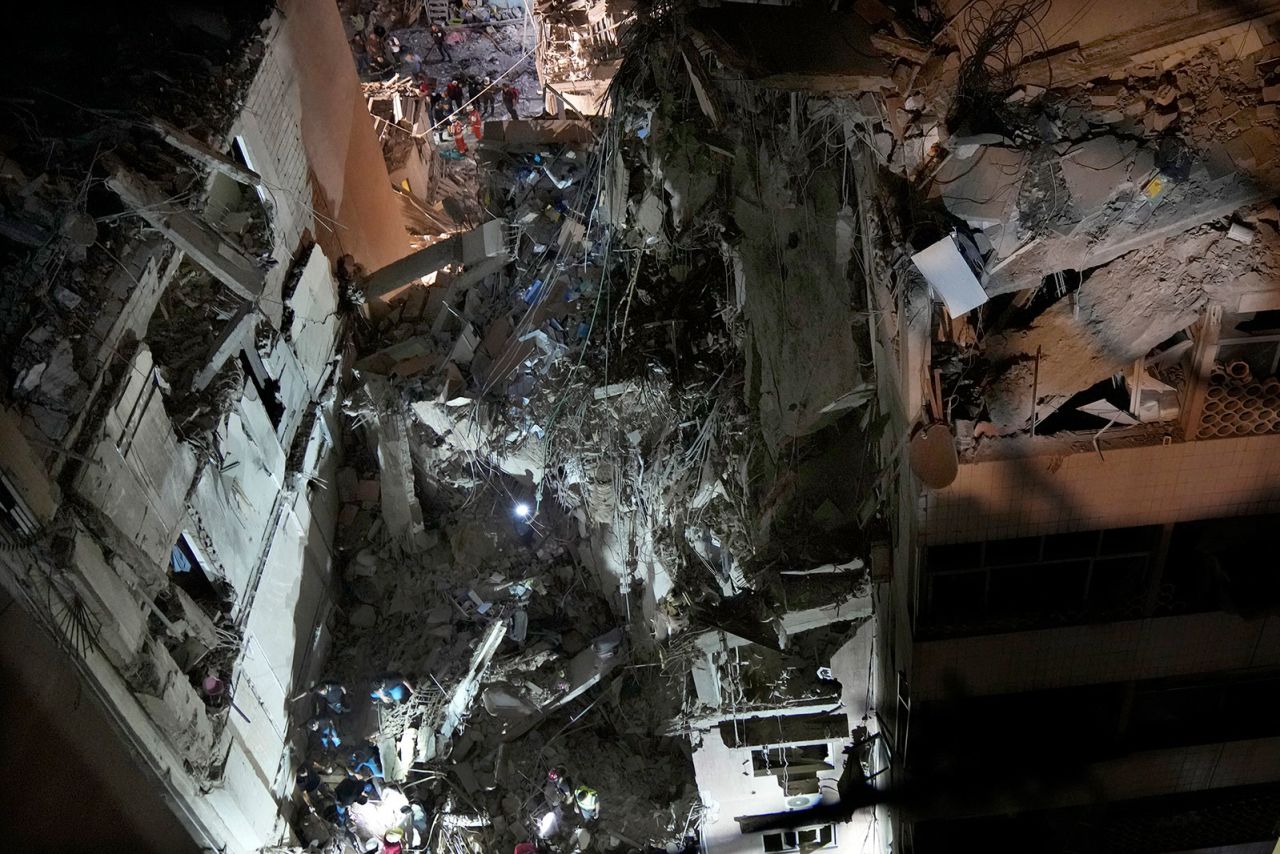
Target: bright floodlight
522	510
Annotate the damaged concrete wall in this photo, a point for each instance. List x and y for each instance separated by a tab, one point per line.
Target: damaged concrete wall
740	780
799	302
140	472
165	477
306	130
1023	496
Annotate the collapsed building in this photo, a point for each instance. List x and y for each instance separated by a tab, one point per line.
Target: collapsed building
171	324
819	429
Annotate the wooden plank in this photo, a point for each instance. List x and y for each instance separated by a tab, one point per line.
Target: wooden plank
1206	353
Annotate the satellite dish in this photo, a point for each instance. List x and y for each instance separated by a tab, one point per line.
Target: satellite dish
932	452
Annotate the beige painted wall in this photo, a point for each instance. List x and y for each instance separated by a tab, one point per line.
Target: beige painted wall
1136	486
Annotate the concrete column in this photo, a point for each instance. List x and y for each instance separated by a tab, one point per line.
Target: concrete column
401	512
469	247
238	330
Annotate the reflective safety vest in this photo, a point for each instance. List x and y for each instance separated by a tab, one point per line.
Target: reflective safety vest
588	799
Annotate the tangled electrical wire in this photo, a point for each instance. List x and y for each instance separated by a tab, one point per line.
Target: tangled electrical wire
995	39
654	21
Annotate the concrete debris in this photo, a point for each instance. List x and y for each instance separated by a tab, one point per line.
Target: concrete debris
595	448
1240	233
1096	169
547	478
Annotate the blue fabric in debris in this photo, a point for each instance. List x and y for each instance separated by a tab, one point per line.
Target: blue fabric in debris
532	292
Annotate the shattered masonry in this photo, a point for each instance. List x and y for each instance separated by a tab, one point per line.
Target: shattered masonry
619	435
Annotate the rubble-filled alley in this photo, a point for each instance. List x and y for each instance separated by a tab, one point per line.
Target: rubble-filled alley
616	426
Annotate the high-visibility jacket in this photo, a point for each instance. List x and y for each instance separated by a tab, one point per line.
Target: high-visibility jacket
588	800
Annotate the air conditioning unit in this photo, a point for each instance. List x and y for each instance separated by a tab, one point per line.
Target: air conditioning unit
803	802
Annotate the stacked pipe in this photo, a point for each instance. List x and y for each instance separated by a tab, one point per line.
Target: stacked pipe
1239	405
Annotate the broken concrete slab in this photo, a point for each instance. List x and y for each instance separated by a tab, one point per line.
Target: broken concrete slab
420	349
399	500
237	333
1096	170
982	189
199	240
211	158
1084	339
1088	245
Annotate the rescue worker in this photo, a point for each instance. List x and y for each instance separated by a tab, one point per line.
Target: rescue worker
477	123
486	97
376	49
459	142
558	790
334	697
349	792
511	97
373	44
437	38
587	801
361	52
391	690
393	841
393	52
332	812
439	113
454	93
308	780
411	63
323	726
364	762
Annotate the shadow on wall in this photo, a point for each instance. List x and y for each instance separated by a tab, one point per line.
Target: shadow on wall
69	782
964	773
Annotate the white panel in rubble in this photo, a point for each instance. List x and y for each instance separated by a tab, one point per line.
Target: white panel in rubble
947	272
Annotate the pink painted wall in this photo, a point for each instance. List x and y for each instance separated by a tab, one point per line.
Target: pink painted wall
309	134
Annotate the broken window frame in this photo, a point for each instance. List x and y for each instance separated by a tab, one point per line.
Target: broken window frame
17	522
201	565
790	841
239	142
795	766
1019	610
216	178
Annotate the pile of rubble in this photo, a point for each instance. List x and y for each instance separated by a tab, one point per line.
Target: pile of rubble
71	259
576	443
1160	170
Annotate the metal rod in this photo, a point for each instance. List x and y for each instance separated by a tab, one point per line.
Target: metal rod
1035	392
